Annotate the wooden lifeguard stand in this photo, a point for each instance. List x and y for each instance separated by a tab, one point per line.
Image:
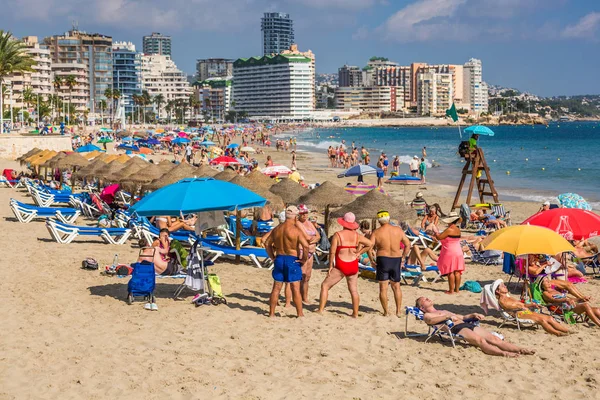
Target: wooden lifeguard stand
477	169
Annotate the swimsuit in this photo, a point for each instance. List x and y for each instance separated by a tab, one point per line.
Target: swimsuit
348	268
287	269
464	325
388	268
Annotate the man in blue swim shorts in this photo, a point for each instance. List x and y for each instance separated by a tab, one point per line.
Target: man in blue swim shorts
282	246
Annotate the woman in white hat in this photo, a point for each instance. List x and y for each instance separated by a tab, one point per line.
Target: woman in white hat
346	248
451	261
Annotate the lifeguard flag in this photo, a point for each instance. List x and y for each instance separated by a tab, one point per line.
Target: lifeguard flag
451	112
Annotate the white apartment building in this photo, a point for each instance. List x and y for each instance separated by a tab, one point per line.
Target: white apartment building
475	91
79	94
160	75
279	86
434	93
369	99
215	96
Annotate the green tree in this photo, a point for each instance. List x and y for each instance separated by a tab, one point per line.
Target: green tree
70	81
159	99
102	105
57	83
14	58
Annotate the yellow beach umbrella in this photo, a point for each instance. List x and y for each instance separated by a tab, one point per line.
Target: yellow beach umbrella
527	239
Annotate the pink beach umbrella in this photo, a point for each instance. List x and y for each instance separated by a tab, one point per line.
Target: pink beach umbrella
277	170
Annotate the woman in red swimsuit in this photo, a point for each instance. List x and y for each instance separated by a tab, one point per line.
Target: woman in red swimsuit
346	248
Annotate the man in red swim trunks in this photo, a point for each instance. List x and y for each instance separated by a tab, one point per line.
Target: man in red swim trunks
282	246
386	243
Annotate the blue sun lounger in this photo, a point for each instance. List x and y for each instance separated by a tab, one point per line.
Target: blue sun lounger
65	233
143	227
253	253
25	213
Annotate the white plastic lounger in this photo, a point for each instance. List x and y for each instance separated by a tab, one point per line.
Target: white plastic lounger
65	233
25	213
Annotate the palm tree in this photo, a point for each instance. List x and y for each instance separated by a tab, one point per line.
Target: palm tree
115	96
108	95
146	101
14	58
158	100
169	108
70	81
57	83
102	106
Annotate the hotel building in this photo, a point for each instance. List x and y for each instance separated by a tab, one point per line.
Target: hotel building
157	44
277	32
213	68
127	73
475	90
434	93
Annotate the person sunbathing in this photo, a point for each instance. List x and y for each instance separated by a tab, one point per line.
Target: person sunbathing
473	334
553	296
431	221
584	249
537	266
523	311
418	255
164	264
490	221
173	224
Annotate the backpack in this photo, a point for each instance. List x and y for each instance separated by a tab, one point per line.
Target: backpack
89	263
463	148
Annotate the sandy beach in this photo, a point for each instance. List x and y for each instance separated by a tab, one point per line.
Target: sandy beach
68	333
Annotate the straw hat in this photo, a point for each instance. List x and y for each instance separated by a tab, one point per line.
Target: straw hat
419	195
451	218
348	221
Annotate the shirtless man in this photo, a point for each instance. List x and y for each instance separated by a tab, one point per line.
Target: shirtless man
522	310
474	335
386	243
283	246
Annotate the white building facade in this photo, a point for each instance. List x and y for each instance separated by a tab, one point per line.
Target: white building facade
160	75
475	91
434	93
280	86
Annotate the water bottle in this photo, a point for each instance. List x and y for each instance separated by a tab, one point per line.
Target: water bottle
115	261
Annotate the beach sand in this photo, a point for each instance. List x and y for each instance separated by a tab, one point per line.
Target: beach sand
68	333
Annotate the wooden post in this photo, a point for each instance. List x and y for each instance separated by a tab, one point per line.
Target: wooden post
238	233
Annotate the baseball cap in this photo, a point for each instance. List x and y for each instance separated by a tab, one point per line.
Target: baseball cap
546	203
291	212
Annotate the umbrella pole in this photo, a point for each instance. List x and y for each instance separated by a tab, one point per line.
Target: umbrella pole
238	233
326	221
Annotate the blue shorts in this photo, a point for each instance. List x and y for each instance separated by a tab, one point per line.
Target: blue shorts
380	174
287	269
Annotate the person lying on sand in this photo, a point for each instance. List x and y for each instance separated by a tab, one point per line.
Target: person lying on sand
474	335
523	311
576	304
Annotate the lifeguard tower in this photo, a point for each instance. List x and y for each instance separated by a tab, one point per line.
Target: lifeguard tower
476	169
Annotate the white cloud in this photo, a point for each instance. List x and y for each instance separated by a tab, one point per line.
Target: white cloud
342	4
422	20
586	27
361	33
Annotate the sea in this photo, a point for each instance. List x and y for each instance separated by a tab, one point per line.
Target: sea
527	162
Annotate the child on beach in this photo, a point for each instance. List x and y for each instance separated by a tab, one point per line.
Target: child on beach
422	170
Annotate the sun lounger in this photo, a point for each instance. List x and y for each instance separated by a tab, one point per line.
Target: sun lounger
65	233
45	199
371	273
479	257
7	183
253	253
25	213
441	331
430	268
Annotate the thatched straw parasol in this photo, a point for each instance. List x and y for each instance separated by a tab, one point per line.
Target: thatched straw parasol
110	158
108	170
124	173
92	154
73	160
31	152
37	161
51	163
34	156
90	169
367	207
123	134
205	171
260	179
181	171
288	190
123	158
226	175
146	175
326	194
274	200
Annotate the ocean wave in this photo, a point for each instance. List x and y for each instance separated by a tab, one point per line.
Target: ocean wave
321	145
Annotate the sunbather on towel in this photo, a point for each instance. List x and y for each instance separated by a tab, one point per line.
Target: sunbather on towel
577	305
490	220
584	249
523	311
474	335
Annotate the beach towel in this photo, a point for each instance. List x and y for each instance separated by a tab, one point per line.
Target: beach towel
488	296
508	265
471	286
108	193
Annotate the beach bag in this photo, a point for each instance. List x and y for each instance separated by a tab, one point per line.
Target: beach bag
103	221
471	286
143	279
463	148
89	263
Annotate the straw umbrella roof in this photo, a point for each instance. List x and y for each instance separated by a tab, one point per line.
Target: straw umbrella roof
146	175
123	158
34	156
368	205
52	162
92	154
110	158
260	179
31	152
109	169
327	194
123	133
205	170
90	169
226	175
124	173
72	160
273	199
288	190
42	159
181	171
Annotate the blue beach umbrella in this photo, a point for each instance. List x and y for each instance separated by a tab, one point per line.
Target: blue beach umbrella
126	139
573	200
233	146
207	143
180	141
479	130
128	147
87	148
358	170
153	141
189	196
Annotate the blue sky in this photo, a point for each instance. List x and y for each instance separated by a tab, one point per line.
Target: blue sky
548	47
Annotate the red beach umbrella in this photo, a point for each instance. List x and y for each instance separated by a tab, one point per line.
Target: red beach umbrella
224	160
571	223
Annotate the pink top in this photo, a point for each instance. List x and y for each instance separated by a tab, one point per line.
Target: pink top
451	256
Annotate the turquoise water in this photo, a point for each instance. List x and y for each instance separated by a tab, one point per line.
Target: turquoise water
543	161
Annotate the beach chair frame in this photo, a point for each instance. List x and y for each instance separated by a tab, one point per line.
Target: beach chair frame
441	331
65	234
25	213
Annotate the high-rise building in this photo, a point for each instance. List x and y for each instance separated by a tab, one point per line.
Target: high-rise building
160	75
79	94
434	93
94	52
279	86
475	90
157	44
215	96
278	33
293	50
127	73
350	76
213	68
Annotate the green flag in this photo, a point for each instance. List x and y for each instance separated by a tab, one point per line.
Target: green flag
451	112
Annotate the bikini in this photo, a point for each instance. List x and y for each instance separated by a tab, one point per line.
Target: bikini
312	233
348	268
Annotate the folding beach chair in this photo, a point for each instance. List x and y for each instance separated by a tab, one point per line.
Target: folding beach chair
25	213
65	233
592	262
479	257
441	331
499	212
253	253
